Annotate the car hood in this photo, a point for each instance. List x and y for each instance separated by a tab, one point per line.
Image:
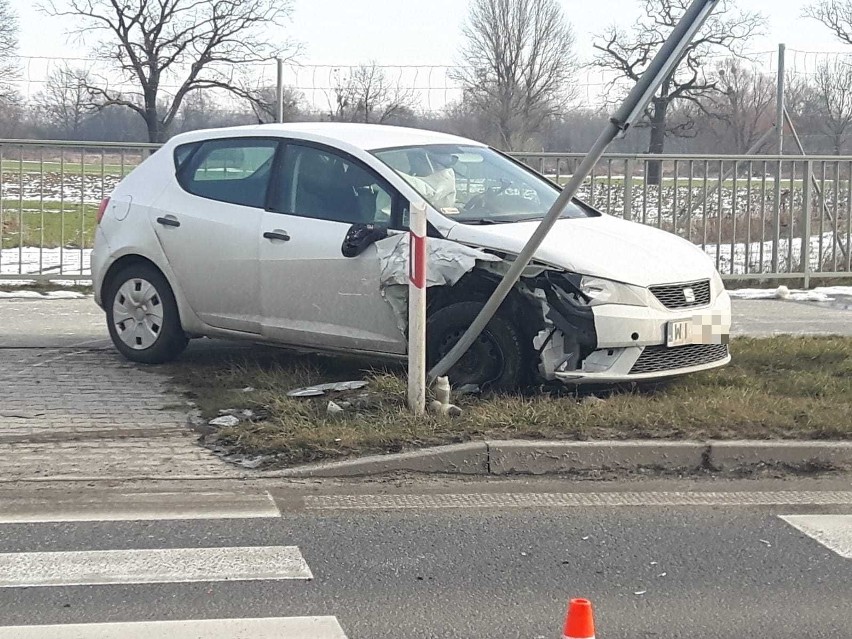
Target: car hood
602	246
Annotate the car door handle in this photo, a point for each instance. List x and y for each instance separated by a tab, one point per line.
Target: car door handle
168	221
277	235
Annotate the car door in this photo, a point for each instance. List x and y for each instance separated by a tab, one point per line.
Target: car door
209	228
311	294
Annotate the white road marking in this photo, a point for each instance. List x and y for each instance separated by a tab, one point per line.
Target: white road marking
173	565
274	628
832	531
140	507
568	500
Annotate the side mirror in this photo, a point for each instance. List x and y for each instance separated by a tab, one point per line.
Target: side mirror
360	236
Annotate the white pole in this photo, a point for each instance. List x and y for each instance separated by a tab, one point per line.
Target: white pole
417	310
279	92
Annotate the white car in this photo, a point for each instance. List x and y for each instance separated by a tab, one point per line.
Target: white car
295	235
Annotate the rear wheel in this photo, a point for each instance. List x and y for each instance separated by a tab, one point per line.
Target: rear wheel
497	358
142	316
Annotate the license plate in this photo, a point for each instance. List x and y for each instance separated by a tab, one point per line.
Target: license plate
679	333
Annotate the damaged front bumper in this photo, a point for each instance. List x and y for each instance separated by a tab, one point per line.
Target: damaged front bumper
632	343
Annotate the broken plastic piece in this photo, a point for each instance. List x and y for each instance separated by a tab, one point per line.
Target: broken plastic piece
226	421
442	404
322	389
334	409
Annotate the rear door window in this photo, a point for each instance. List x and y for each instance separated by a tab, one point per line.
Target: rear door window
322	184
233	170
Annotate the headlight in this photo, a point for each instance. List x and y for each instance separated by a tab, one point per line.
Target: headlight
601	291
717	284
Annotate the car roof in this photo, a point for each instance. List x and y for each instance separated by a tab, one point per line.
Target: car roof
367	137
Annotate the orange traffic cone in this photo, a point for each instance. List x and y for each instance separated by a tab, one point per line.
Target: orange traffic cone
580	621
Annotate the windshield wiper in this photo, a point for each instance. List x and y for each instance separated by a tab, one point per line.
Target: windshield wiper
484	221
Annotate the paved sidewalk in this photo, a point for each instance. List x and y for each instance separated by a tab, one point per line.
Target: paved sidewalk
70	407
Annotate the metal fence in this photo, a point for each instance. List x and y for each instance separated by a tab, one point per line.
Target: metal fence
49	197
758	217
754	225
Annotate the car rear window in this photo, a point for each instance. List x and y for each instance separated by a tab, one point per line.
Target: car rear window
233	170
183	153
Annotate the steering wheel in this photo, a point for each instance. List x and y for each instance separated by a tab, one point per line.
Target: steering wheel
480	201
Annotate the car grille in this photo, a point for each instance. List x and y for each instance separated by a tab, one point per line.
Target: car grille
672	295
656	359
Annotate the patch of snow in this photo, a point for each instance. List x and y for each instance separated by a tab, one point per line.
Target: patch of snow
818	294
51	295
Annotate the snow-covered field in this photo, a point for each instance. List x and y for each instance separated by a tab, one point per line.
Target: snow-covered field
54	187
756	257
31	260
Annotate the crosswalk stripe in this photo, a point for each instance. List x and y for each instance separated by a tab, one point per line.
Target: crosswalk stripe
569	500
175	565
832	531
273	628
140	507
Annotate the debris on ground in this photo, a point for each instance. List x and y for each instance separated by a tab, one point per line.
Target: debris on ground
225	421
321	389
442	405
334	410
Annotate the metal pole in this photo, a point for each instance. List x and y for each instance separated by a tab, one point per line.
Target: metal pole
629	170
779	150
806	225
660	68
279	93
417	310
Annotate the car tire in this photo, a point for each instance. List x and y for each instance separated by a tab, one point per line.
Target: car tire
142	316
496	361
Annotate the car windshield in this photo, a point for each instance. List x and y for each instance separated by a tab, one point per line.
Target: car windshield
476	185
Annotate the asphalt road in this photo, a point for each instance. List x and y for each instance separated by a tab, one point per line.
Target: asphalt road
444	566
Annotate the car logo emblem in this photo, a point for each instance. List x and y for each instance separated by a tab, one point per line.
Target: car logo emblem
689	295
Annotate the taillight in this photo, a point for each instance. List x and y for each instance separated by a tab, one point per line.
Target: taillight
102	209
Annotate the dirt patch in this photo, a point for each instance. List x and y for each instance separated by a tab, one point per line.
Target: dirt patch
780	388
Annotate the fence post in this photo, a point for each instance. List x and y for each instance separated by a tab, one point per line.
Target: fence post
629	170
279	92
806	226
779	150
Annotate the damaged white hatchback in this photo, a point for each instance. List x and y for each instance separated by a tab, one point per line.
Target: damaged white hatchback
295	235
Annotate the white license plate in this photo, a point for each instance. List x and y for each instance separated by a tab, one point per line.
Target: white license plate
679	333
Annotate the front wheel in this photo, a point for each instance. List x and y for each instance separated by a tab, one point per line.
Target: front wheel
142	316
497	358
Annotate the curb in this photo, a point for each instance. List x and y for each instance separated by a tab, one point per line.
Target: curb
560	457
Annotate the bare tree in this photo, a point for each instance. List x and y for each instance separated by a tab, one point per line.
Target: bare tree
517	67
8	50
833	95
65	103
834	14
367	95
743	105
265	105
628	51
155	45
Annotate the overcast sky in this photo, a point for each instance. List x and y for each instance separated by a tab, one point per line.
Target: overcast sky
427	31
